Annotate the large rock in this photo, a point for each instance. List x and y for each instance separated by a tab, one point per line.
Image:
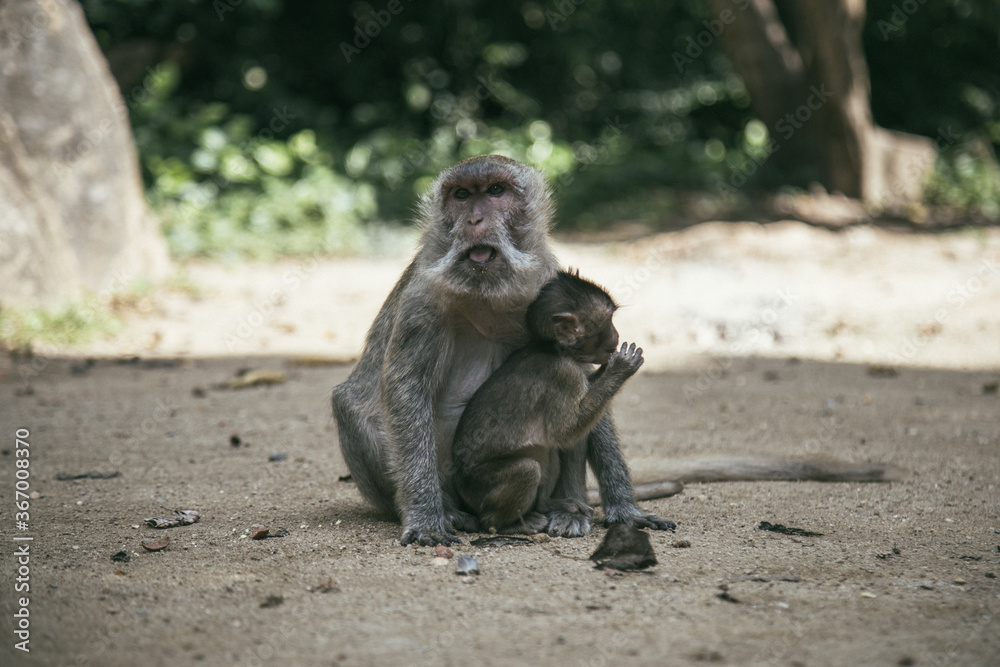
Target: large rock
73	218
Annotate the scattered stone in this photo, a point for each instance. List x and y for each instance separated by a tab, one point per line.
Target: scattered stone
467	565
82	368
442	551
94	474
252	377
277	456
235	441
785	530
501	541
768	578
271	601
681	544
178	518
258	532
882	371
439	561
121	557
156	545
624	548
325	587
726	596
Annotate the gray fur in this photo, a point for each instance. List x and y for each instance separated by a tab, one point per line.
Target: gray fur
446	325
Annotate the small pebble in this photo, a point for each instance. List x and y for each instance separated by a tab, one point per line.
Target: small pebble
467	565
438	561
442	551
866	594
681	544
960	581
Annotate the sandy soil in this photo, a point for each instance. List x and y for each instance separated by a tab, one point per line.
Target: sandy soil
759	340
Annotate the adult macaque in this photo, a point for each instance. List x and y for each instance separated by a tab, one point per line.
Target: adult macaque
454	316
520	449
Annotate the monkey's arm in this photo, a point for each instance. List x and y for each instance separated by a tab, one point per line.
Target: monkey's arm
411	377
575	421
614	479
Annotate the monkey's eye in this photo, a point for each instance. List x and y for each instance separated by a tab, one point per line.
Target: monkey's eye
462	193
495	189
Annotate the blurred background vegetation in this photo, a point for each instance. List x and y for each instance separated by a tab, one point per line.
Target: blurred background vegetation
268	128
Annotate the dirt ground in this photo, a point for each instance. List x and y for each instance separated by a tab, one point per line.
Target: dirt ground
778	340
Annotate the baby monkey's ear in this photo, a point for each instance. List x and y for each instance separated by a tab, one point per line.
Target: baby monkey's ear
567	328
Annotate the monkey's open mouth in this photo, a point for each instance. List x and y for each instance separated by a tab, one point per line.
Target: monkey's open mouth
481	255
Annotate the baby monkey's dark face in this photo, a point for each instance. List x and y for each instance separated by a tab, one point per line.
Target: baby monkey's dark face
599	342
575	314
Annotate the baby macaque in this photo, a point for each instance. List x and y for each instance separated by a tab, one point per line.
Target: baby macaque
521	445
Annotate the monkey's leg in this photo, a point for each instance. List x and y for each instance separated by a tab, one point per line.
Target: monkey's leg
615	481
566	506
358	430
510	490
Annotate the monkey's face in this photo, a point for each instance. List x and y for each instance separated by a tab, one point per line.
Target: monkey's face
489	232
598	346
481	215
588	337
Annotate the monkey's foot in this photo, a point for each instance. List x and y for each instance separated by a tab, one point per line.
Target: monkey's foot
568	524
565	505
634	516
460	520
529	524
428	537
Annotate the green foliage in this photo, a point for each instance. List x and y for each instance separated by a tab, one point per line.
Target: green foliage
23	328
268	127
227	188
967	178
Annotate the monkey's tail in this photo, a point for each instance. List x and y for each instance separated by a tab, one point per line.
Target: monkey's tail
753	469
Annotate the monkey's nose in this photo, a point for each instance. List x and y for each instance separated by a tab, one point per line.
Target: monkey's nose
475	221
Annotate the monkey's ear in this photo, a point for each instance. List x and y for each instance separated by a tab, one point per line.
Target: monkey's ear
567	328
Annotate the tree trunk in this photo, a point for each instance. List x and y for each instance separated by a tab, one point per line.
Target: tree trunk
772	70
73	217
821	96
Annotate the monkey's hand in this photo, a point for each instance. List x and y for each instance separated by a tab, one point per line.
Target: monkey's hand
428	529
626	361
634	516
428	537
